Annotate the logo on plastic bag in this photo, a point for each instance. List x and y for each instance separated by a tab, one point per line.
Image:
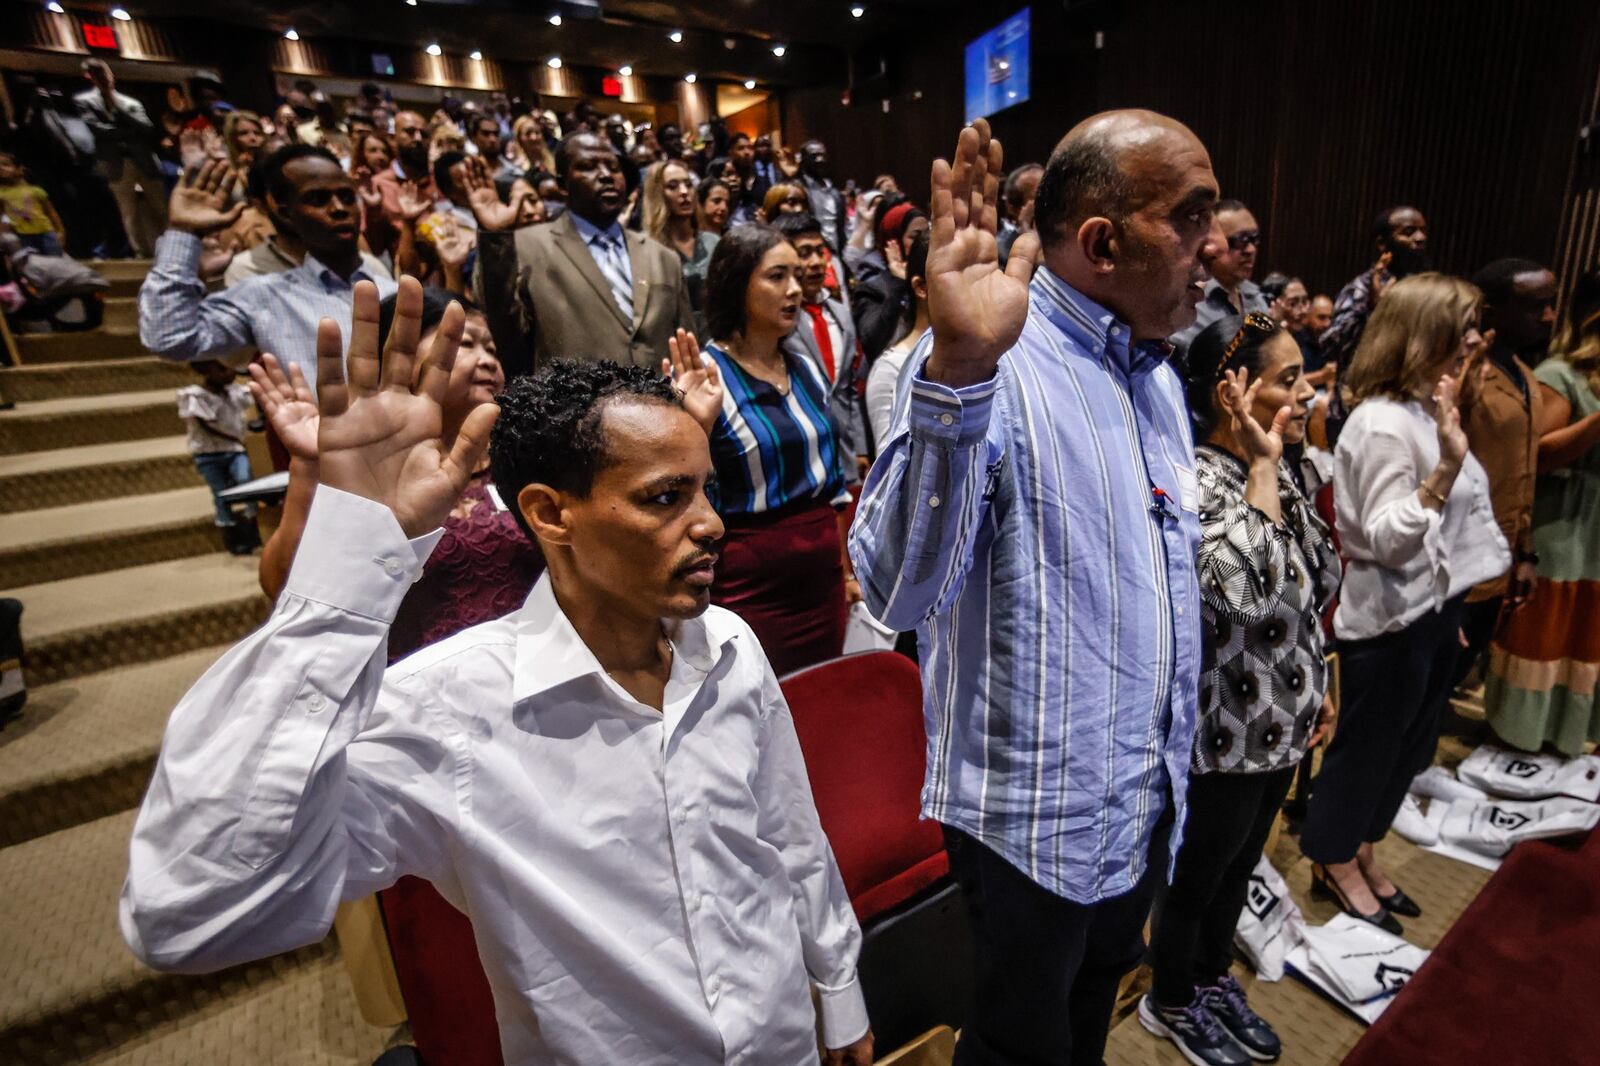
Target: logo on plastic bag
1261	900
1522	768
1500	818
1391	978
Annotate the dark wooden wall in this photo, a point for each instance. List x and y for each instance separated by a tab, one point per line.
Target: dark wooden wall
1316	114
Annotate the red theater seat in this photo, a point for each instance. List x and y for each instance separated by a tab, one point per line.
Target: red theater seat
859	719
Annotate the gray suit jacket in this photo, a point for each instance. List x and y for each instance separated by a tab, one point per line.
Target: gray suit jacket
845	402
546	299
122	134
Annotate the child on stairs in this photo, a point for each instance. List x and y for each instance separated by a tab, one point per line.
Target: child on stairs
215	413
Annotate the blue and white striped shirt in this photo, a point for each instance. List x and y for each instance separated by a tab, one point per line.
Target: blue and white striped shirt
1017	524
773	450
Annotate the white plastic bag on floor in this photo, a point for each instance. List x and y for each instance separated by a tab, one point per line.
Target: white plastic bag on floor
1524	775
1356	964
1494	826
862	632
1270	923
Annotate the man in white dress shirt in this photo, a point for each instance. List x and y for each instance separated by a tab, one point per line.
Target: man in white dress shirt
607	781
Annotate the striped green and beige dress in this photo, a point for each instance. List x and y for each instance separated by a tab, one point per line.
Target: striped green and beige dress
1544	668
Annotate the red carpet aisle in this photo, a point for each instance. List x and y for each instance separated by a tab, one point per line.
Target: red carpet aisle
1513	982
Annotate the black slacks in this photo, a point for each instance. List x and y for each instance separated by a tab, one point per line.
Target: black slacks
1396	687
1229	819
1047	968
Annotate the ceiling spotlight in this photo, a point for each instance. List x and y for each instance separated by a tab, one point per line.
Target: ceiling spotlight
475	55
778	50
857	11
411	3
555	20
750	84
435	50
676	36
625	71
689	78
554	62
290	35
55	7
121	14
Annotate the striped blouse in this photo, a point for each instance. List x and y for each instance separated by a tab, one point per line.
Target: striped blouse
772	451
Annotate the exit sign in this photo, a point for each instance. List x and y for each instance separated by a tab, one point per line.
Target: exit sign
611	86
99	36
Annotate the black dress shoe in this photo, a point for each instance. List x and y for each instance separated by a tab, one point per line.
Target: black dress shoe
1324	887
1400	904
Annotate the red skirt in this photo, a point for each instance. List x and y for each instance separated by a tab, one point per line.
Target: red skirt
782	573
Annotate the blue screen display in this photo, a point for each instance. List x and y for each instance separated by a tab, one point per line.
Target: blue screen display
997	67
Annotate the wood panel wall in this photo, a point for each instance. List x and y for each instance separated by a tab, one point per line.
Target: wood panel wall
1317	114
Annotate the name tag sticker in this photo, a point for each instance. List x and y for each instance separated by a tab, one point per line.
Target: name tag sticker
494	495
1188	489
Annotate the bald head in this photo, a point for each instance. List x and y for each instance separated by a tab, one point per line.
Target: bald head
1111	165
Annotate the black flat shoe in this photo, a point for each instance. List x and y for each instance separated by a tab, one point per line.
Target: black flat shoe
1323	887
1400	904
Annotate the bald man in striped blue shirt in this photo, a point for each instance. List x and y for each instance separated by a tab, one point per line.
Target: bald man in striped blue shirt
1033	516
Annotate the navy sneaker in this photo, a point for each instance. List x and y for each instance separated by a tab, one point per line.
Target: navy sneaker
1227	1004
1195	1031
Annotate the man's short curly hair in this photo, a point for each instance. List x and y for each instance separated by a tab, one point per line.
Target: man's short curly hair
549	429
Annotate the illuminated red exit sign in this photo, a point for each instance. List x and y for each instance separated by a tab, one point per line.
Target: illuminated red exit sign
99	36
611	86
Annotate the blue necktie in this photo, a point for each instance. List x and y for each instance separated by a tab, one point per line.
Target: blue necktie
608	257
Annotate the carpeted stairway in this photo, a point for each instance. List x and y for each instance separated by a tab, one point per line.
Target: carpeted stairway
106	537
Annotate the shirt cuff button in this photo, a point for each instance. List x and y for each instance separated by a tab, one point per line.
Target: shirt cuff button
316	703
946	420
392	567
934	501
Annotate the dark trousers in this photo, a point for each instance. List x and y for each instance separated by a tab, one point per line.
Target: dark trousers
1047	968
1230	816
1396	687
1477	622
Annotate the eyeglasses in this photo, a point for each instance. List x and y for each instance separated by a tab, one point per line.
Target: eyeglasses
1249	238
1254	322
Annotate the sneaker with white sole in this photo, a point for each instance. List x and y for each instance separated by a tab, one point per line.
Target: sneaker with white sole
1413	825
1227	1003
1195	1031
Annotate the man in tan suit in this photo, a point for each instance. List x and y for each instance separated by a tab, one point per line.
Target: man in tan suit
581	287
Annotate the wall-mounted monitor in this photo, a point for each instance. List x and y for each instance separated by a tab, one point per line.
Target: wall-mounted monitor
997	67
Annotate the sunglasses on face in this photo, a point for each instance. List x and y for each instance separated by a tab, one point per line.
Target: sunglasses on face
1249	238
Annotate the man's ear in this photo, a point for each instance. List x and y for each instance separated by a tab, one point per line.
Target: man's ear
545	511
1097	239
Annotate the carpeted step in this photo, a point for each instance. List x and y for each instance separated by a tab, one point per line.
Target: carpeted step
72	987
55	381
84	749
121	314
84	625
307	1017
77	421
102	343
125	275
33	481
92	538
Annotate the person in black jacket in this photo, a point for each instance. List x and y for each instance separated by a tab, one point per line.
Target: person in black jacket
882	304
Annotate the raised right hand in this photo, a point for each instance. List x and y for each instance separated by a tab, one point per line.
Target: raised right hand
1447	416
200	201
381	436
286	402
484	200
976	309
413	205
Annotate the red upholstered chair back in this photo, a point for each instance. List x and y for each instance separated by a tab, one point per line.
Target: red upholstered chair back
859	719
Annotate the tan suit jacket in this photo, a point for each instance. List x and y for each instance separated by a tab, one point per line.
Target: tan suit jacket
546	299
1503	431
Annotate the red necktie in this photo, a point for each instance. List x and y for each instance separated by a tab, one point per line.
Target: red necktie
819	327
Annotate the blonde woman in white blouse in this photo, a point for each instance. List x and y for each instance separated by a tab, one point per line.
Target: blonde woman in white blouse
1413	513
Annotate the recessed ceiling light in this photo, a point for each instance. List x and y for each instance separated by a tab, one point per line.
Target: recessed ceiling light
554	62
411	3
689	78
121	14
857	11
778	50
555	20
750	84
476	56
290	35
625	71
435	50
57	8
676	36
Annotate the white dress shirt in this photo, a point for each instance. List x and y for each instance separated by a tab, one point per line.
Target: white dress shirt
1405	559
645	887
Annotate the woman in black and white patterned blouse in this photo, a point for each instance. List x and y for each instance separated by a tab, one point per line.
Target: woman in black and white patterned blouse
1266	568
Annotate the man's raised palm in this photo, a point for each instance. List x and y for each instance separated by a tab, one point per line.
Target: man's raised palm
201	201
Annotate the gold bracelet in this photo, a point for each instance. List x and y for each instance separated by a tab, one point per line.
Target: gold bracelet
1429	489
